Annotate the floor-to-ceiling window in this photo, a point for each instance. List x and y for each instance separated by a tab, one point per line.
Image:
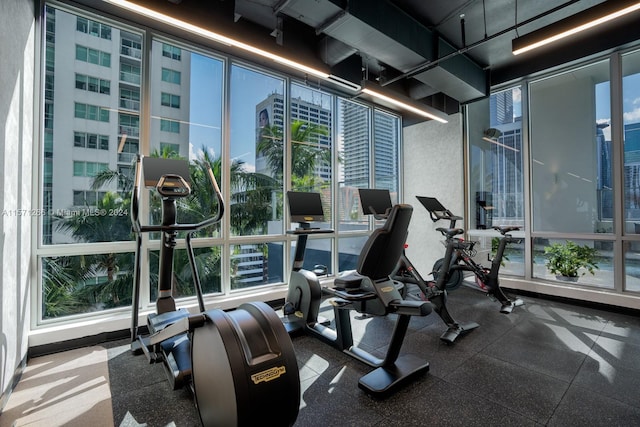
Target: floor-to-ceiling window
91	105
111	92
496	174
572	164
570	175
631	135
257	147
185	110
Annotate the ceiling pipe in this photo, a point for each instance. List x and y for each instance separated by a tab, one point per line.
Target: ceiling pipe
425	66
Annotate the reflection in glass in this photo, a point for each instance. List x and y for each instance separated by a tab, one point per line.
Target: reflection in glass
571	162
496	162
353	167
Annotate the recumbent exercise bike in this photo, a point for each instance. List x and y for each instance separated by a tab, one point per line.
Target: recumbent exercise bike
368	290
377	202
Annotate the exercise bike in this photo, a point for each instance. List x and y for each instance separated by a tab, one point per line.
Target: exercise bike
368	290
486	280
240	365
377	202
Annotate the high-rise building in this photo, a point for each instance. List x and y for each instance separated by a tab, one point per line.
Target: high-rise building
92	110
355	145
270	112
501	108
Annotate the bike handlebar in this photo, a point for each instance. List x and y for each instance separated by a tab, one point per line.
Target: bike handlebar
135	206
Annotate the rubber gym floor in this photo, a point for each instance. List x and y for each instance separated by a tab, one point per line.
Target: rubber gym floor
548	363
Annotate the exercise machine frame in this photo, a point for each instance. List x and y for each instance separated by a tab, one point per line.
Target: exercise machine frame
240	365
486	280
376	296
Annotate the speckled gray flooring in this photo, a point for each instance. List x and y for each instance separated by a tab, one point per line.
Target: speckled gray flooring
547	363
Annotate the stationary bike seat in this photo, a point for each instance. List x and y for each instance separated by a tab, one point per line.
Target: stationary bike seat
504	229
450	232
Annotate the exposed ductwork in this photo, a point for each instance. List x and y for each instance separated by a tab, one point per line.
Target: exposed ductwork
380	30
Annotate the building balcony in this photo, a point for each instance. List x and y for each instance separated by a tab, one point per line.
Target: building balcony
129	131
130	78
130	104
131	52
127	158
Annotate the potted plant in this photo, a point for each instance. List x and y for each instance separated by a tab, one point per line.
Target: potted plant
568	260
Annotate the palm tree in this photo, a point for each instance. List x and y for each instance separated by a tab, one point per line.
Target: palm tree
250	216
59	285
108	222
306	152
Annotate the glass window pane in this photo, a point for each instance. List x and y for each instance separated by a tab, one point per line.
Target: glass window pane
631	116
566	255
349	249
632	266
317	256
85	283
353	164
256	264
311	119
386	136
257	152
208	263
72	166
496	163
567	110
193	131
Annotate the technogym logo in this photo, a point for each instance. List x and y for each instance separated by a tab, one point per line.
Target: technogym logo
268	375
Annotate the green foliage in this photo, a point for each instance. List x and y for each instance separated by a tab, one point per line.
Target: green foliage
567	259
82	283
59	285
495	243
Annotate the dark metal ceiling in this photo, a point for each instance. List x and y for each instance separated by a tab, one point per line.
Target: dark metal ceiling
439	52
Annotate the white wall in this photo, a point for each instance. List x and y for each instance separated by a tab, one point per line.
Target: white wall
433	167
16	140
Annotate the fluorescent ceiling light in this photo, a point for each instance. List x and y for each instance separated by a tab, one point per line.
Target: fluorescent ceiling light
219	38
344	83
589	18
408	104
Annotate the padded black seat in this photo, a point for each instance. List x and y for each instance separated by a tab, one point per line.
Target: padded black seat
504	229
378	259
450	232
381	251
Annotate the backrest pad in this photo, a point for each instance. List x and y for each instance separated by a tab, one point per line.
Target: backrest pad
382	250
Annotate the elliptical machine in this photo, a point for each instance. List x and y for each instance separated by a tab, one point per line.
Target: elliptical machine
239	365
368	290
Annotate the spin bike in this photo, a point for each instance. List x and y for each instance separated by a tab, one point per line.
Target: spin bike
377	200
368	290
240	365
487	280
